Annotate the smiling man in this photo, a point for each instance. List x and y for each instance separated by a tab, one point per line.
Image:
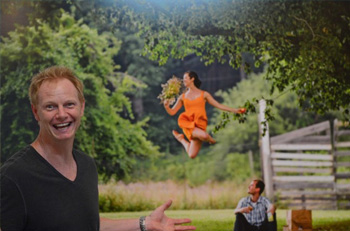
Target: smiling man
48	185
58	106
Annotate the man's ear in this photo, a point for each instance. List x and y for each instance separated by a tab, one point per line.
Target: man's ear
82	110
258	190
35	113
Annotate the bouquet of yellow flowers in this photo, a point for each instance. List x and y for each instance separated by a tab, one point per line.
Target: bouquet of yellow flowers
171	90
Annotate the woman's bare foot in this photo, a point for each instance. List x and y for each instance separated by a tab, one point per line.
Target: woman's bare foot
211	140
178	136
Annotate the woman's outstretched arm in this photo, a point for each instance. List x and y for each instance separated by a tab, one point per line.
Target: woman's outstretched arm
218	105
172	111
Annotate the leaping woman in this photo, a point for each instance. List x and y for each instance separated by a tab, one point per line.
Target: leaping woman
194	120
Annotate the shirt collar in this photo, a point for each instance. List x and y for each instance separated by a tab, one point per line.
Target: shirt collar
258	201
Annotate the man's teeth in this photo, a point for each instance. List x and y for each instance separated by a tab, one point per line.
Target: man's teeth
62	125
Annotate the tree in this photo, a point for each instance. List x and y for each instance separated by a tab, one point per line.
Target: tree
116	17
228	159
244	137
105	134
305	44
145	102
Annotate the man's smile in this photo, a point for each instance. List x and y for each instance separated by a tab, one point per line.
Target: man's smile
62	125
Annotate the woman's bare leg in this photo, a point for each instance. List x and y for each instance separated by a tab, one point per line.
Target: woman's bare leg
195	146
198	136
192	148
202	135
182	140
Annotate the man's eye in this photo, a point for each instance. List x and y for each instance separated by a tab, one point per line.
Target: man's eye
70	105
49	107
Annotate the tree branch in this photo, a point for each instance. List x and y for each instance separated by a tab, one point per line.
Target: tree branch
308	25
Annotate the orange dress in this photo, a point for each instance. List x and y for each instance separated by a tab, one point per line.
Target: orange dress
194	115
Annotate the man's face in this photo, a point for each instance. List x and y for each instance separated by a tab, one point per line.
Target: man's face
58	110
252	189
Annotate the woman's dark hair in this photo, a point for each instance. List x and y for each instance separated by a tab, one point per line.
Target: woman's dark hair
194	75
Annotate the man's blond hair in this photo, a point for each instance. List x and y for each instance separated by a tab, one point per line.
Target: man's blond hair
54	73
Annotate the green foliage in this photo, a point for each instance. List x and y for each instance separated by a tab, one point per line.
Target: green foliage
117	202
228	158
204	168
237	167
106	132
242	137
305	44
118	17
147	195
146	104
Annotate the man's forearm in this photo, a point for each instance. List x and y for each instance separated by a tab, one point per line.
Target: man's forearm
272	209
119	225
238	210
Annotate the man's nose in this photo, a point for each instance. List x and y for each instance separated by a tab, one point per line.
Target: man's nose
61	113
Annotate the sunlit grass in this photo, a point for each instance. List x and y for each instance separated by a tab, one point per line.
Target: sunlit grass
203	204
222	220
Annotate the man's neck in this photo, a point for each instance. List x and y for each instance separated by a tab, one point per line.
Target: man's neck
59	149
254	197
59	156
55	152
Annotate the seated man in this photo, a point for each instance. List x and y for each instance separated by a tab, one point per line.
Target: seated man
254	212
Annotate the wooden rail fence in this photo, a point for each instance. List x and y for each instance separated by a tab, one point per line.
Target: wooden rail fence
309	168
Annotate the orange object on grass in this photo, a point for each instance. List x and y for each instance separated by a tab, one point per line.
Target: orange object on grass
194	115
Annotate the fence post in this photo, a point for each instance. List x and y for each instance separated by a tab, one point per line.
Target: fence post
251	162
265	151
334	132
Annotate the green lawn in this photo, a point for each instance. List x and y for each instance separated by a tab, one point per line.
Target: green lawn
222	220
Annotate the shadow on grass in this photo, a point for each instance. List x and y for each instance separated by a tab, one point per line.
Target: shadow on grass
332	225
322	225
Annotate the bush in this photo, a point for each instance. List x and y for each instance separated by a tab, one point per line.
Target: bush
195	172
115	197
